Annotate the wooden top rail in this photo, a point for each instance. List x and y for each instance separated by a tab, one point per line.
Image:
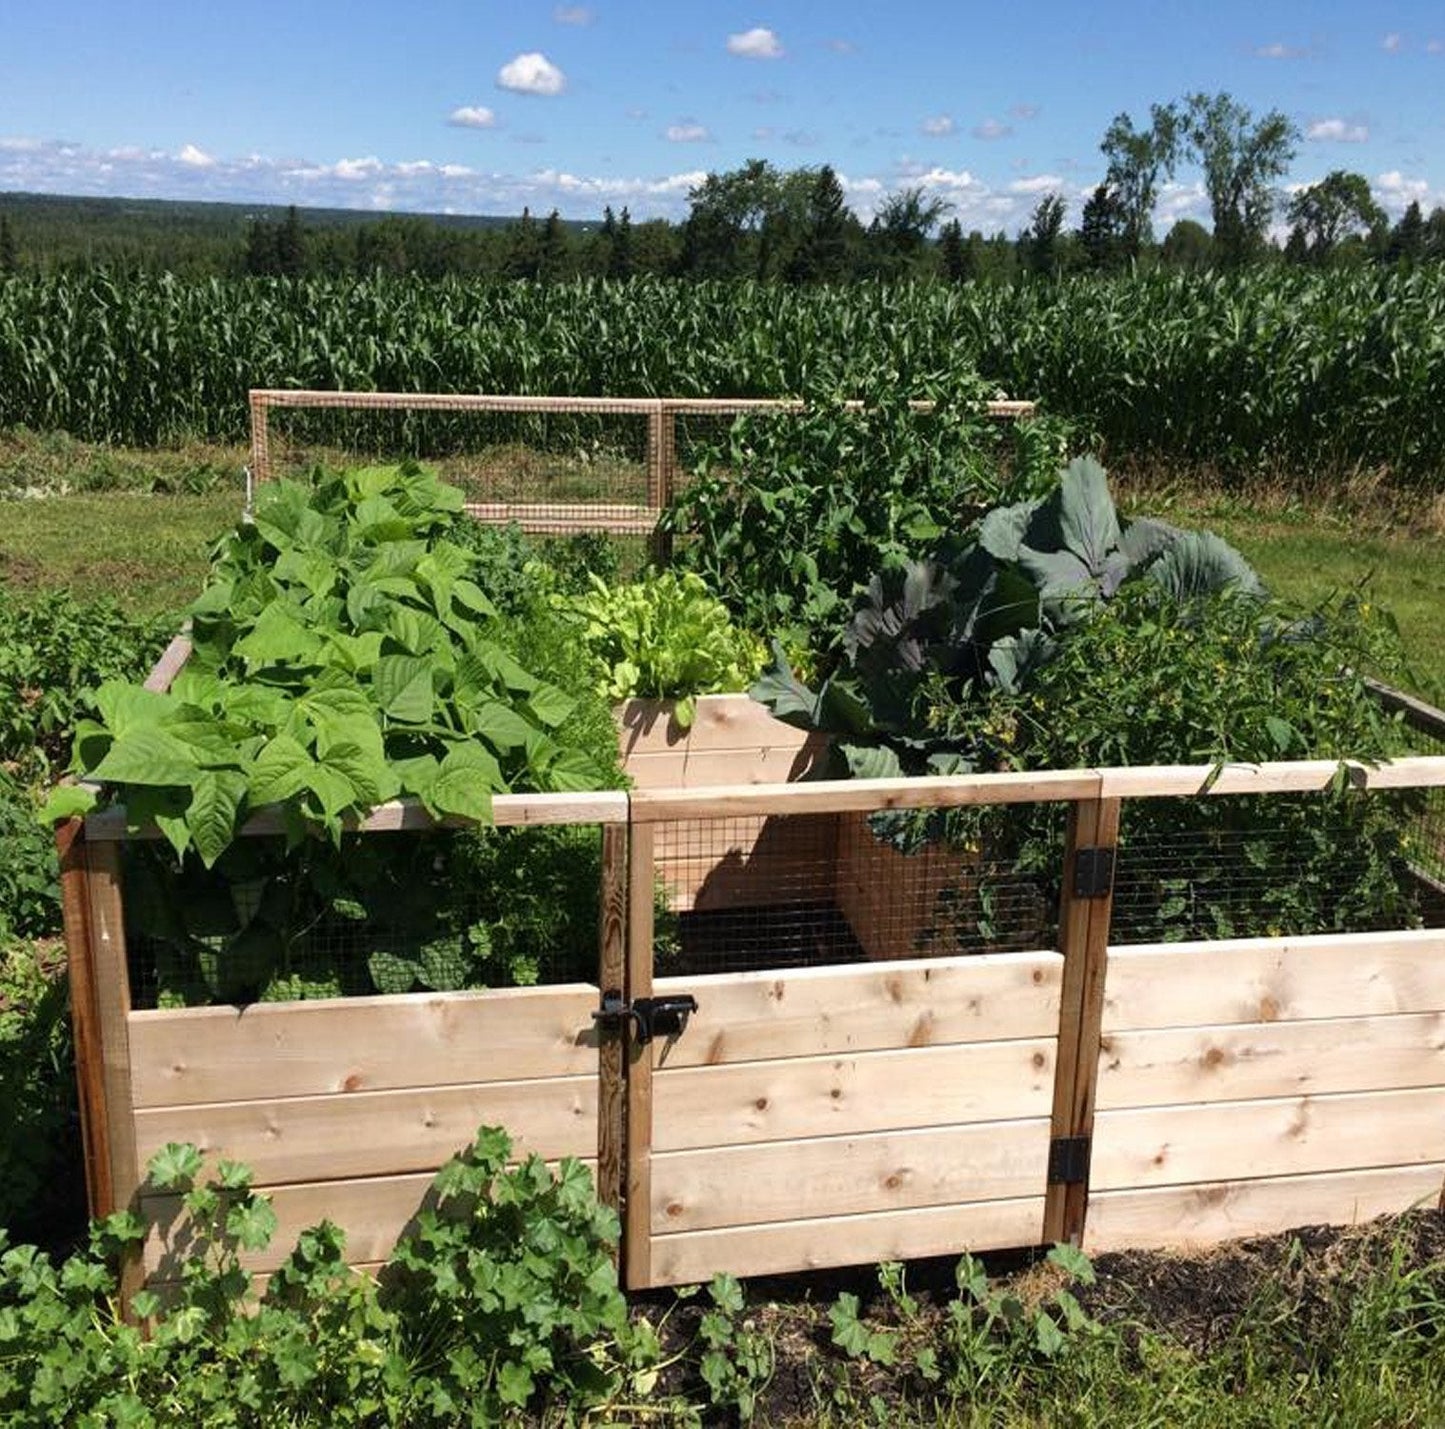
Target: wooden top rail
1053	785
1418	714
606	806
1004	410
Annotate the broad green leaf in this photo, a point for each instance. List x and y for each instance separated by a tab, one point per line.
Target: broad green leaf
211	815
402	685
1087	517
550	706
572	772
280	771
500	725
67	801
279	636
391	973
126	707
147	755
464	784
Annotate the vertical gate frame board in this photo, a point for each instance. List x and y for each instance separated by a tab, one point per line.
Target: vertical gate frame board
637	1210
100	1006
611	1044
1084	941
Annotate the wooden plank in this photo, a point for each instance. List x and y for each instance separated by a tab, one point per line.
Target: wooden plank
1193	1216
1303	776
372	1211
612	1051
448	401
637	1231
184	1057
604	806
720	723
750	1102
1271	1059
1084	943
821	1242
173	657
379	1133
1284	1136
1237	980
85	1017
834	796
1418	713
820	1011
848	1175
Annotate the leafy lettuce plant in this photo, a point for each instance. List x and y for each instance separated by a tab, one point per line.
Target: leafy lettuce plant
342	656
664	636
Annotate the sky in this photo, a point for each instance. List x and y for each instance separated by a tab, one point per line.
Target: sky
482	107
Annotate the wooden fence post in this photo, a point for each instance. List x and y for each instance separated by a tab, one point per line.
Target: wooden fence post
260	439
637	1210
612	1044
661	475
1084	912
100	1008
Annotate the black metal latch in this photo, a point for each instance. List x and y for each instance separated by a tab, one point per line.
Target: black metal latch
1069	1160
1093	872
650	1016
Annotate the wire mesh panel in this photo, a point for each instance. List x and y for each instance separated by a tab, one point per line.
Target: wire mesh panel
386	913
1269	866
796	890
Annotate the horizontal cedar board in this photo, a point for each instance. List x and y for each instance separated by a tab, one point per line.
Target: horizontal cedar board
564	518
687	769
1285	1136
1274	979
918	1002
722	724
696	1107
372	1211
184	1057
816	1244
1271	1059
379	1133
1188	1216
848	1175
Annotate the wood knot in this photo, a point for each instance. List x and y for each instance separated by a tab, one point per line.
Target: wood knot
1214	1057
1040	1061
352	1082
836	1094
674	1210
1268	1010
761	1104
1038	976
893	1182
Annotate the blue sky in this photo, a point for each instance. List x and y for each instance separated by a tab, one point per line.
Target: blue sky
478	106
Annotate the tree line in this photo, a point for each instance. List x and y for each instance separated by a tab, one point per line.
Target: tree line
795	226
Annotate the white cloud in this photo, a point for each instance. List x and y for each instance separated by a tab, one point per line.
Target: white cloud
686	132
1023	111
756	44
1393	43
991	129
1281	51
938	126
1395	193
572	15
531	73
1037	184
472	116
1337	131
196	158
352	169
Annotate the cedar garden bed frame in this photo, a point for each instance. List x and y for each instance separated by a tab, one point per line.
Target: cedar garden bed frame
884	1107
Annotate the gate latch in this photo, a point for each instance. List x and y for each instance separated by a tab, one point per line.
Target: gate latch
650	1016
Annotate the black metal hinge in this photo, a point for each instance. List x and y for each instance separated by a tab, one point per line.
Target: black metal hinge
1093	872
1069	1160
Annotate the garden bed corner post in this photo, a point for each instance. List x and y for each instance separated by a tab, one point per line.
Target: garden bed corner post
611	1043
100	1007
1085	908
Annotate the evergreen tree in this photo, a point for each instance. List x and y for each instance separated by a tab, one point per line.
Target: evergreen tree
524	249
9	249
952	257
620	262
1103	231
822	252
260	258
1407	237
291	246
552	259
1039	242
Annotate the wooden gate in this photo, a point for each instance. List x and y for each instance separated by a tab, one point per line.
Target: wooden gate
835	1115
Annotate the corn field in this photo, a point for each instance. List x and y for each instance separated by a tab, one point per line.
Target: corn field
1266	370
